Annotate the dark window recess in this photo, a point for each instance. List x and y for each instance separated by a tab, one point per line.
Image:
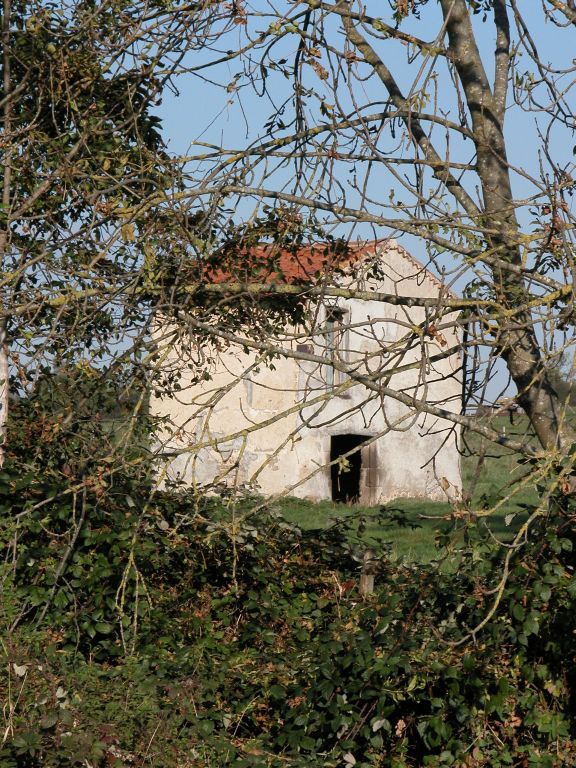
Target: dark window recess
334	333
346	475
334	314
308	349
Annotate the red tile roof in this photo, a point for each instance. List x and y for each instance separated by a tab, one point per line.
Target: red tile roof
270	263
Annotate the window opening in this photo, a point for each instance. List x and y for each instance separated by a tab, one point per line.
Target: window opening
334	335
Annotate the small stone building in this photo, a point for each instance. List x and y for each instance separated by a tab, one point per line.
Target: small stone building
318	424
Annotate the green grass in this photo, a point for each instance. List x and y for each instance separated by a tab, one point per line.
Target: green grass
399	524
490	473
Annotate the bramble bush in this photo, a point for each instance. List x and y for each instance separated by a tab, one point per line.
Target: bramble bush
164	628
186	644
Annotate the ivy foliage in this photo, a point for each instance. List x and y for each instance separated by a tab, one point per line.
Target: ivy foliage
146	627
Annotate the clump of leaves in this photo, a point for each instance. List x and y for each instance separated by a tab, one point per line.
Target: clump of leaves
148	627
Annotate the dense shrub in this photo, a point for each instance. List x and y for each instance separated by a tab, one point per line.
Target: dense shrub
166	628
148	628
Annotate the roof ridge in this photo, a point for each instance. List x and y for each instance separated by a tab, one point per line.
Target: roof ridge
306	261
393	245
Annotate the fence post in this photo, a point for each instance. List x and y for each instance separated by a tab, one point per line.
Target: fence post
369	565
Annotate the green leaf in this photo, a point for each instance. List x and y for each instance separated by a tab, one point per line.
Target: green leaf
103	628
48	721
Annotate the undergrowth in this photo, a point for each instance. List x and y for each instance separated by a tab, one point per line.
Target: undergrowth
171	629
166	629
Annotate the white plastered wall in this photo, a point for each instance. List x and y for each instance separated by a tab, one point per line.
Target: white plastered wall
262	427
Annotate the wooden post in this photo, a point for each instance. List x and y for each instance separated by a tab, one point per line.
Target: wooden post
369	565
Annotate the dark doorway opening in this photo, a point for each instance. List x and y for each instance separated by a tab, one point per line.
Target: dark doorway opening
346	474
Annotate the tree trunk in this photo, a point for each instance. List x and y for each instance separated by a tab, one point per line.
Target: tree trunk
4	390
516	337
6	199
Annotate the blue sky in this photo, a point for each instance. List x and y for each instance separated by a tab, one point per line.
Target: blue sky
204	110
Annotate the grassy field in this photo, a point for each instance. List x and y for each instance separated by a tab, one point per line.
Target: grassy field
491	475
